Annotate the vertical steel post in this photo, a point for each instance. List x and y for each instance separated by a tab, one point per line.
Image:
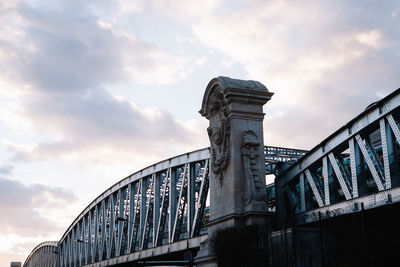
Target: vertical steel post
142	210
353	167
156	209
302	193
326	180
172	203
96	232
385	153
190	198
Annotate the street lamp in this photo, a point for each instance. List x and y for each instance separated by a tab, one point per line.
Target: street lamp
59	256
79	240
59	253
56	252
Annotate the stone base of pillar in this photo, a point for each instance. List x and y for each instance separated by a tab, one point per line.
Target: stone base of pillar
205	257
240	241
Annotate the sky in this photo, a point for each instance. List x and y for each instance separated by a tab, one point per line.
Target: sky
92	91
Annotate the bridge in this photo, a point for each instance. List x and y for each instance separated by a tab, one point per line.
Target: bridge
174	212
123	224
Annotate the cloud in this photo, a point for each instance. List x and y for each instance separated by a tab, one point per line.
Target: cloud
189	9
99	127
61	61
372	38
17	252
74	51
325	61
32	210
6	169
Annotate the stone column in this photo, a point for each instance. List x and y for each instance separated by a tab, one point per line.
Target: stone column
237	181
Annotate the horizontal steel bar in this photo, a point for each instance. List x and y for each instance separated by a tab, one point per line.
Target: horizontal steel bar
376	200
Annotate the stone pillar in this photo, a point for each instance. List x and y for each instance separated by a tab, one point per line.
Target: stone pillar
237	181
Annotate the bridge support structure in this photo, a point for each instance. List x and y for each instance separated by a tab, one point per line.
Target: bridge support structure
234	109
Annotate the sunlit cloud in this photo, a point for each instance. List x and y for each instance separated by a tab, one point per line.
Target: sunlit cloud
15	248
371	38
328	67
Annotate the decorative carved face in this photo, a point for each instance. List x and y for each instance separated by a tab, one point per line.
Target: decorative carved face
250	145
216	102
216	132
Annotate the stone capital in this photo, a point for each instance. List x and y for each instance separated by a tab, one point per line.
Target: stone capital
240	97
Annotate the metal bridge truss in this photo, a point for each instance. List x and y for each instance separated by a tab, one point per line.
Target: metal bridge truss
159	205
44	254
357	167
162	206
275	157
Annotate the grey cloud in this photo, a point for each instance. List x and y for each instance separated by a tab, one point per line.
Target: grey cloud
6	169
72	59
19	205
63	48
71	51
100	121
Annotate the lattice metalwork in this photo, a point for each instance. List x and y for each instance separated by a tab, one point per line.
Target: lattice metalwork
43	255
159	205
357	164
275	156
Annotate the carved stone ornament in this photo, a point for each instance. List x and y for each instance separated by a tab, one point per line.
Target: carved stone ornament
253	173
223	100
219	134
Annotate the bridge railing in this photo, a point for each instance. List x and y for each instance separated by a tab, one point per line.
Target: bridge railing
357	167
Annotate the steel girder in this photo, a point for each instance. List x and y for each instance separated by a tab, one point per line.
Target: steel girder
275	156
359	160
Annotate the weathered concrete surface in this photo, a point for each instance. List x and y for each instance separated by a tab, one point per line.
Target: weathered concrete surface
237	183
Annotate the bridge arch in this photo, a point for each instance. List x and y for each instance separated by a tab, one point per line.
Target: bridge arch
158	205
43	255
